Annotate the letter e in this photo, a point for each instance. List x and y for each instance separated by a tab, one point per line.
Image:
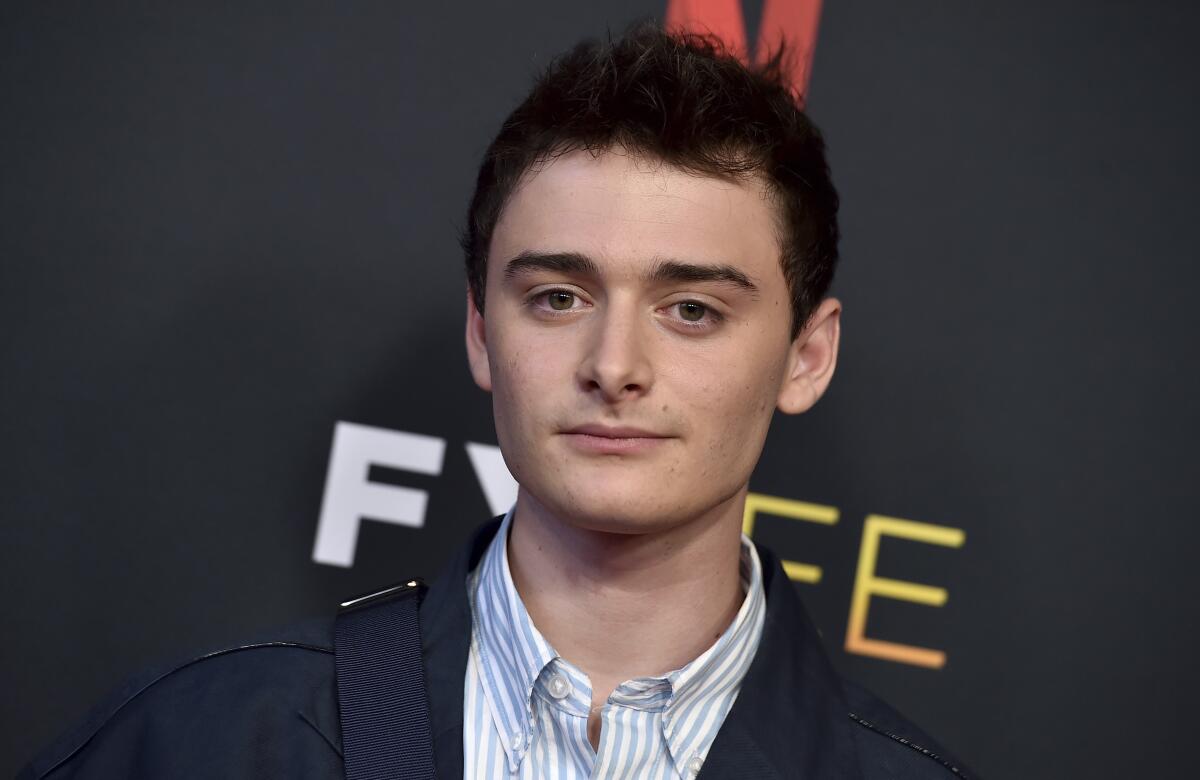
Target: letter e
866	585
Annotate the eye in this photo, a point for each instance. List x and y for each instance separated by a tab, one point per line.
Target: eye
690	311
693	315
560	300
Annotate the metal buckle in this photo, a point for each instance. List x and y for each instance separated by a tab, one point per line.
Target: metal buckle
403	589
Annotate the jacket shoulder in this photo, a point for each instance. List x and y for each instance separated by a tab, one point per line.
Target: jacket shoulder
890	746
265	707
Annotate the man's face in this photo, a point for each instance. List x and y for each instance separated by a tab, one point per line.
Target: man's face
636	339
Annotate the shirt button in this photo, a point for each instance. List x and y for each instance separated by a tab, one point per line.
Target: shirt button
695	764
518	741
559	686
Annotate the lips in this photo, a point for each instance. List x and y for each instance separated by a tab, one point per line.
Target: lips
598	439
615	432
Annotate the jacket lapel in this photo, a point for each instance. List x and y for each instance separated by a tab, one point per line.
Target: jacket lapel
445	643
790	718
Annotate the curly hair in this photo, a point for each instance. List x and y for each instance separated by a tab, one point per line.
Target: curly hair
685	100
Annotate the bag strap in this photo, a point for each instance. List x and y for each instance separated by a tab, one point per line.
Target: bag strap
382	704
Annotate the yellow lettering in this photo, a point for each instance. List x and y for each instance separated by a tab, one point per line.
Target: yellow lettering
866	585
794	510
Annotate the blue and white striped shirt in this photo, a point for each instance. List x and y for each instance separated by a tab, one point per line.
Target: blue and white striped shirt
526	707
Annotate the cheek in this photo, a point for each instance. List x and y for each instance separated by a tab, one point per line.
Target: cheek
734	395
528	378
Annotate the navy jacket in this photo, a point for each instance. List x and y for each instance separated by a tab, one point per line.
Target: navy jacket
268	709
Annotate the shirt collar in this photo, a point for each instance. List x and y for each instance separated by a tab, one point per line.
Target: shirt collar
704	690
513	654
510	650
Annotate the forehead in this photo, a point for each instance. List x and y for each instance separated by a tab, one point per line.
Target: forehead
626	211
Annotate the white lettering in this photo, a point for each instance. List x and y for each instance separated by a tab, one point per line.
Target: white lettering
350	497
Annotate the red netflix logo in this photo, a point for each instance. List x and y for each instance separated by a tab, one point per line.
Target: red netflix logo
791	21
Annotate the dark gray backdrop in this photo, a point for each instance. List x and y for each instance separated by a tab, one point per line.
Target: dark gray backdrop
223	228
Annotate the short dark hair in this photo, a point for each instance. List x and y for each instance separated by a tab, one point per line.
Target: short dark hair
685	100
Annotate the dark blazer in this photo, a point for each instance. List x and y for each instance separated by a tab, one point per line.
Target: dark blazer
268	708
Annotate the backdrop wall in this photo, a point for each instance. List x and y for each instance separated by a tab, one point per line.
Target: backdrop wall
228	231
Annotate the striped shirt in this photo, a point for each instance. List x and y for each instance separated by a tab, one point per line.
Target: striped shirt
526	707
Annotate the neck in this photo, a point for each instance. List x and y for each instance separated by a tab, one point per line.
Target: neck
620	606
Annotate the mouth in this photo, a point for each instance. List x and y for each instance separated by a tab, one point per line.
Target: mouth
613	440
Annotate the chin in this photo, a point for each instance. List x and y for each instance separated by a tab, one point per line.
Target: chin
616	522
618	506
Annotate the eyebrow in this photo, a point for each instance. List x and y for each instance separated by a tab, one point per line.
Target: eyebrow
663	270
563	262
676	271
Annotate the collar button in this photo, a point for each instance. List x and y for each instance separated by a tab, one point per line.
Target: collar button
559	687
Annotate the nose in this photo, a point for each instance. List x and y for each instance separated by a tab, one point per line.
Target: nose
616	364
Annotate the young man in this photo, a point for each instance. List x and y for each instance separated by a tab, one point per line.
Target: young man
649	249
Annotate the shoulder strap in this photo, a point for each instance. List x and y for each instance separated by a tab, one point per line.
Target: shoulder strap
382	704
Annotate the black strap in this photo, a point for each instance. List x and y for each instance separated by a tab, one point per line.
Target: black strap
381	686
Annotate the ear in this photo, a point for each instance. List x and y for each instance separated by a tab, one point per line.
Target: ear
477	354
811	359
